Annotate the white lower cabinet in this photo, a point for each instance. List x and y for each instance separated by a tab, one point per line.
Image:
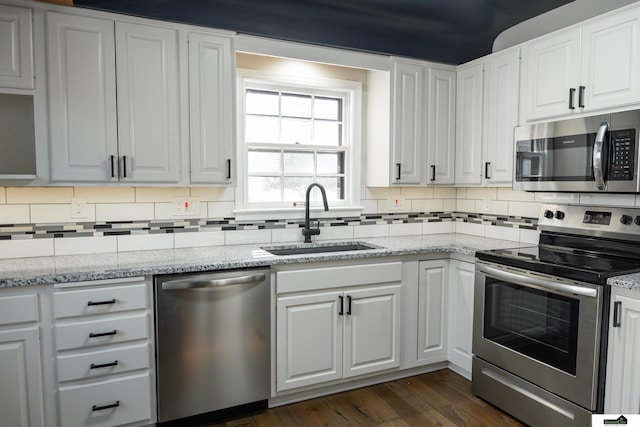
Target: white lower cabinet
103	353
433	284
460	323
622	393
337	322
21	390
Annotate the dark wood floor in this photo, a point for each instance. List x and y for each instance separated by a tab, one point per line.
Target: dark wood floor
441	398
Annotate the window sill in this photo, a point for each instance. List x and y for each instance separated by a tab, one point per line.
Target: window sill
296	213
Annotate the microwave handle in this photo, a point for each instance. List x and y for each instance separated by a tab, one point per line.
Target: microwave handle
598	161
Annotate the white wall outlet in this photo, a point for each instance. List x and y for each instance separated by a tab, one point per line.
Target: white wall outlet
396	203
187	206
78	208
486	204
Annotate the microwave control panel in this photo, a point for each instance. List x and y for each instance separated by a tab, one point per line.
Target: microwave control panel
623	154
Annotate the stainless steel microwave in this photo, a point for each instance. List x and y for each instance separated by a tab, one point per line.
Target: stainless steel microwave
588	154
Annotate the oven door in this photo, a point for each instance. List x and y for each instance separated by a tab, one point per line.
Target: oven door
543	329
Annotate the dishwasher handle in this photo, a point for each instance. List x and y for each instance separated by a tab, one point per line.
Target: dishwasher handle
177	285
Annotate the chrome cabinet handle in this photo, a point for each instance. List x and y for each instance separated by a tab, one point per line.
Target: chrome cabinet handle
175	285
598	165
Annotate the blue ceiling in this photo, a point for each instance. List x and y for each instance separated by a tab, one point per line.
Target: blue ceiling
449	31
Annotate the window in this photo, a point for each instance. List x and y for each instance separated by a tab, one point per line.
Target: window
293	135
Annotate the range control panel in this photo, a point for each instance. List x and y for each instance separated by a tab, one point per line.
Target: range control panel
591	220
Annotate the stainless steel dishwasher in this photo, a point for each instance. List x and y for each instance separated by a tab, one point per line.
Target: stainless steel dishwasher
212	343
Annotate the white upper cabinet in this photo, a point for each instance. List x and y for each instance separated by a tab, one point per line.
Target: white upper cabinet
407	122
591	67
211	101
82	98
96	137
441	125
16	47
469	106
148	103
502	84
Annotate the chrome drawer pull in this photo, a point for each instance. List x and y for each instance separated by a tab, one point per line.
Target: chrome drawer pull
102	334
104	365
100	408
111	301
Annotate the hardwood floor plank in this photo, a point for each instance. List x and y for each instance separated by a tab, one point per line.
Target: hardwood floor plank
437	399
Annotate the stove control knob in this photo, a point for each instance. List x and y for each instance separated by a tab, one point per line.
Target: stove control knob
559	215
548	214
626	219
637	220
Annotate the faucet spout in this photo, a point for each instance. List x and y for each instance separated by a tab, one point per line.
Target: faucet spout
307	231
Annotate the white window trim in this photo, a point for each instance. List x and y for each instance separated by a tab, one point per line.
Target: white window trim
354	159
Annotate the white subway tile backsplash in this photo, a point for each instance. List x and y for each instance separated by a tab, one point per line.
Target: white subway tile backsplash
429	205
461	193
199	239
145	242
505	193
503	233
246	237
499	207
417	192
529	236
482	193
47	214
3	195
449	205
32	195
526	209
469	228
220	209
85	245
561	198
372	230
169	211
335	233
464	205
25	248
106	194
281	235
444	192
408	229
15	214
369	206
625	200
159	194
213	194
124	211
381	193
437	227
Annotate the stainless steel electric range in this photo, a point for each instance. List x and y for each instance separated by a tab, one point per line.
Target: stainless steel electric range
540	314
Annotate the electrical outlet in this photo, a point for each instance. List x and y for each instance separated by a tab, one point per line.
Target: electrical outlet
186	206
486	205
78	208
396	203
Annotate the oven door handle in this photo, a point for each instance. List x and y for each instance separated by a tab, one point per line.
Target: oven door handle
598	161
520	279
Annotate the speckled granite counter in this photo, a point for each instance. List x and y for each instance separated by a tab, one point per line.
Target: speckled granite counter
59	269
629	281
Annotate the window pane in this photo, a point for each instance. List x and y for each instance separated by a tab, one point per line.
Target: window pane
327	133
295	188
296	105
260	161
261	129
330	163
298	162
296	131
334	187
264	189
328	108
262	102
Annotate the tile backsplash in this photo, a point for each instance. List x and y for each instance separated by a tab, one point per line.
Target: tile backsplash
38	221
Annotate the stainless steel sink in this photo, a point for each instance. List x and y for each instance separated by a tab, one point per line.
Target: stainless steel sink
301	250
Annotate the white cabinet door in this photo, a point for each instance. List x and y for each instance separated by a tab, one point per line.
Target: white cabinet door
148	103
441	125
21	404
469	124
211	89
552	75
309	340
461	313
407	123
611	61
82	98
16	47
432	308
622	393
372	330
502	84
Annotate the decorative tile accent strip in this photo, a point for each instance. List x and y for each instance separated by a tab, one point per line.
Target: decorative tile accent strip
119	228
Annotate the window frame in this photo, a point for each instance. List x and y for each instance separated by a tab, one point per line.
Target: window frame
351	93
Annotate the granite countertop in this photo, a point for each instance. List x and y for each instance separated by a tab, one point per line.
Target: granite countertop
60	269
629	281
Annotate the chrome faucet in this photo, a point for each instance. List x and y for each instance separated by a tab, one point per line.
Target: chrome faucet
307	231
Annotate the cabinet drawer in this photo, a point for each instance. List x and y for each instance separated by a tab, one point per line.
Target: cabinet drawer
110	299
105	362
19	309
99	332
107	403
